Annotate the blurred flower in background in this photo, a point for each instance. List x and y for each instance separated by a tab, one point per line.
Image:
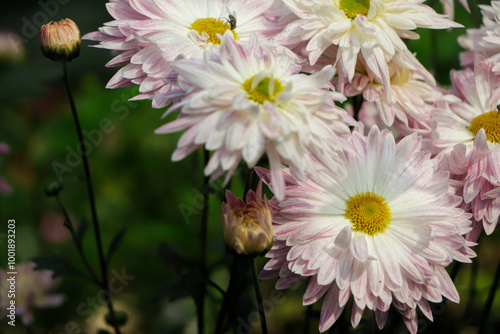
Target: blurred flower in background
12	50
32	291
5	187
52	228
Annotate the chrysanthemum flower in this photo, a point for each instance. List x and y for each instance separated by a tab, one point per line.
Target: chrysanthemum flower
251	101
411	95
484	40
149	35
449	7
371	28
381	228
474	121
32	291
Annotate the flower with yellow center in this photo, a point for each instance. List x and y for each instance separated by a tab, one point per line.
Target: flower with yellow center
252	101
149	37
370	30
380	225
470	124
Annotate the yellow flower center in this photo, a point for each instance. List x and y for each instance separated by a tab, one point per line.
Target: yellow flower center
490	122
266	90
369	213
353	7
212	27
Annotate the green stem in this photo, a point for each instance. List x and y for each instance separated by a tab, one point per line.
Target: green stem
204	233
307	320
258	294
78	244
229	295
95	221
248	182
489	301
475	13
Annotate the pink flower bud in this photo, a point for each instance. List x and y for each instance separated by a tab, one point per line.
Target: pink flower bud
247	226
60	40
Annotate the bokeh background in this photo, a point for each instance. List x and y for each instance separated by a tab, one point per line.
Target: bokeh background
157	201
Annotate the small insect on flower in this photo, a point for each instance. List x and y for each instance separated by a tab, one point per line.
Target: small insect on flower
232	21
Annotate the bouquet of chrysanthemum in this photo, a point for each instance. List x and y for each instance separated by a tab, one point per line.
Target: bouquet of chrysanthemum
381	178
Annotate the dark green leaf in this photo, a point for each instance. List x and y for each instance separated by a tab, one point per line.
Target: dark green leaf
117	239
121	318
82	228
59	265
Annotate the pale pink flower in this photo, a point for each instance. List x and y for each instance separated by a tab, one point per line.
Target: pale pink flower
381	228
12	49
32	291
484	40
449	7
471	119
253	101
411	95
369	28
149	35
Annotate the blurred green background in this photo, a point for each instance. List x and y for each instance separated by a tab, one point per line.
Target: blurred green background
137	187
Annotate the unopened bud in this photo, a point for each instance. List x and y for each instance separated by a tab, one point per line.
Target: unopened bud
247	226
60	40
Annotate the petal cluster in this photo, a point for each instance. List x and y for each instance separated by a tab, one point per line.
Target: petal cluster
32	291
148	36
402	265
252	100
372	31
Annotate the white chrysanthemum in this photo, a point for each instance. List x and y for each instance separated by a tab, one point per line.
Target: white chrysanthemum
484	40
372	28
472	119
149	35
253	101
381	228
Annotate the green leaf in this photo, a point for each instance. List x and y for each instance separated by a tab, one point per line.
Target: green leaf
117	239
82	228
121	318
59	265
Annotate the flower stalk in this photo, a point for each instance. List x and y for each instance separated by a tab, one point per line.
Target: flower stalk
88	181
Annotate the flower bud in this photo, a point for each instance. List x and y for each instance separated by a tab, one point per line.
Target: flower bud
60	40
247	226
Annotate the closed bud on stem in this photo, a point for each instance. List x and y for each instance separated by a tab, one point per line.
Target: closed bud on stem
247	224
60	40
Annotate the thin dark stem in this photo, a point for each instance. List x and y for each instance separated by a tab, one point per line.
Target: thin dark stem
28	329
455	270
307	320
229	296
258	294
489	301
475	13
78	244
95	221
204	233
248	182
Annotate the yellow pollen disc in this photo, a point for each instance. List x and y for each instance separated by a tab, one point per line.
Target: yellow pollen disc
263	92
212	27
353	7
490	122
369	213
